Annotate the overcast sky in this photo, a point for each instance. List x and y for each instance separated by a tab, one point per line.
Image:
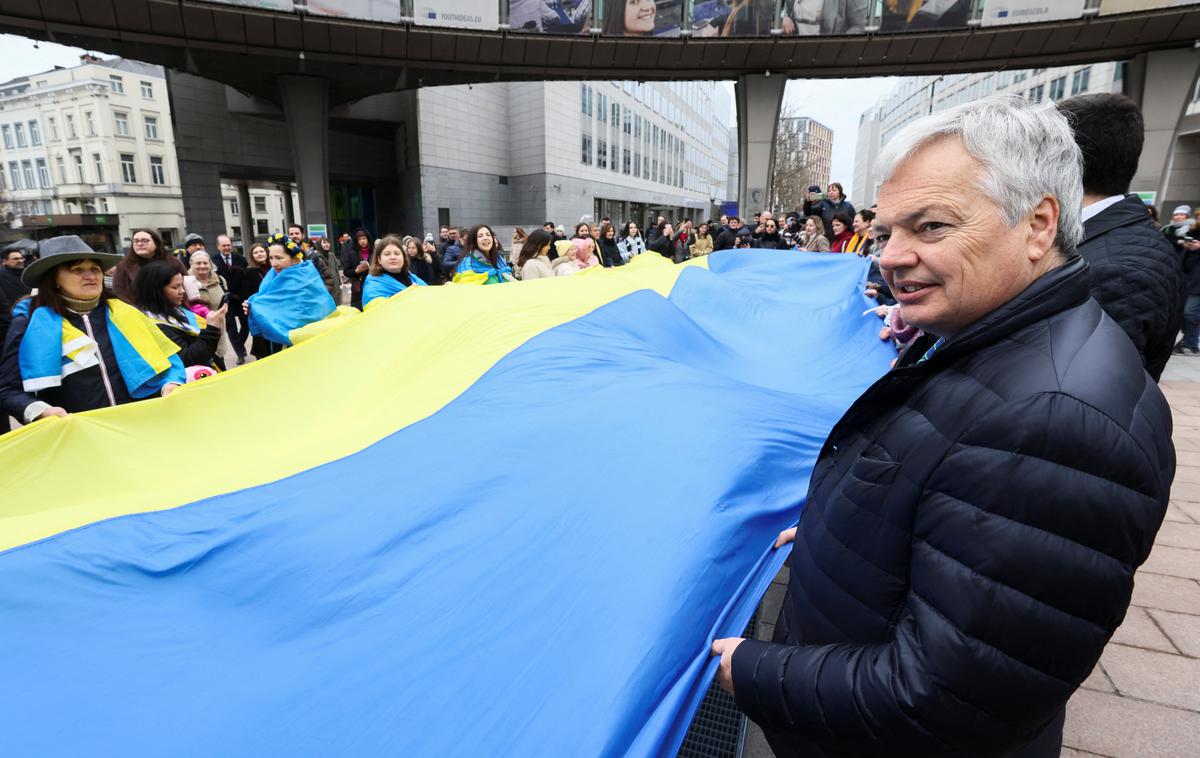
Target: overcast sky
837	103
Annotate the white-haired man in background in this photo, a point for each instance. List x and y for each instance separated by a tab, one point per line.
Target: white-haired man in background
974	520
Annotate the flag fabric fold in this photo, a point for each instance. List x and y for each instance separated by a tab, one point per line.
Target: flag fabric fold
520	539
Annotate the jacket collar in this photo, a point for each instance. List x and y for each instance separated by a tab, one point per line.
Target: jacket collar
1056	291
1131	210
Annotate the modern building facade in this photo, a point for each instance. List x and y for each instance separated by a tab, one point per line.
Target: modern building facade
507	154
920	95
91	140
521	153
269	211
815	142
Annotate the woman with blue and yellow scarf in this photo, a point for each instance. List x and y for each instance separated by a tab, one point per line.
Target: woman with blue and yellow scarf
483	260
74	346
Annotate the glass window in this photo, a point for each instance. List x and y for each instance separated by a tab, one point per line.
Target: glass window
151	127
71	127
19	133
91	125
626	161
43	174
233	206
602	154
62	170
261	225
53	126
147	90
602	108
1080	80
128	171
35	134
2	185
99	165
78	158
6	130
260	204
117	84
1058	88
586	148
121	120
1119	71
14	172
27	173
157	174
1036	93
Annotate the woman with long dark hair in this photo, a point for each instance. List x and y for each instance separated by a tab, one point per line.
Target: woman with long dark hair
610	254
483	260
159	293
144	246
535	256
75	346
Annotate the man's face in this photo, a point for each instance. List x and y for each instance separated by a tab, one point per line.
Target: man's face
14	260
194	247
443	232
295	235
548	228
948	256
452	234
834	193
224	245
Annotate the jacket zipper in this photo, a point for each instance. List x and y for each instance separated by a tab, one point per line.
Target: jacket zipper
87	324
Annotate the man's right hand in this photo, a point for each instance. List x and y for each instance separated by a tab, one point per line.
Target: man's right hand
53	411
785	537
217	317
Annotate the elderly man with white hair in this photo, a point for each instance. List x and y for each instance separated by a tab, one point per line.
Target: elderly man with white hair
974	520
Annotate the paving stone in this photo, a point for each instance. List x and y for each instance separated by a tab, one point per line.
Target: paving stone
772	601
1183	630
1098	681
1173	561
1177	515
1191	509
1166	592
1185	443
1157	677
764	631
1139	631
756	743
1187	472
1185	491
1176	534
1110	725
1070	752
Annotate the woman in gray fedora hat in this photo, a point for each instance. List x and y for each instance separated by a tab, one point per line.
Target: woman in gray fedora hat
74	346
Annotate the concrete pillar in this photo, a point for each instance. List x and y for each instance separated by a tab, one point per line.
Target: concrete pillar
305	101
203	208
246	216
1161	83
289	212
759	98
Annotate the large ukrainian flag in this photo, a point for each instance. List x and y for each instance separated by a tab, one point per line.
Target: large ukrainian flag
476	521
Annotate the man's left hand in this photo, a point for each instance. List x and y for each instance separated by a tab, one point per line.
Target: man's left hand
725	648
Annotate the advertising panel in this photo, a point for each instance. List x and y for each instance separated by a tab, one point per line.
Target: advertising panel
368	10
266	5
1109	7
922	15
642	18
1005	12
736	18
550	16
460	14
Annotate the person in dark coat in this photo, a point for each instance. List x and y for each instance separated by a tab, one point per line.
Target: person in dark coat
36	378
770	239
11	286
974	520
230	266
610	255
159	293
453	253
726	239
356	256
1136	276
663	242
257	267
835	202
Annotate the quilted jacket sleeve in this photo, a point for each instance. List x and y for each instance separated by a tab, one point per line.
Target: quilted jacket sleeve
1144	294
1025	541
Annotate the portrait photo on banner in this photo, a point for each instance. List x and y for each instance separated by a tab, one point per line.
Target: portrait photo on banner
550	16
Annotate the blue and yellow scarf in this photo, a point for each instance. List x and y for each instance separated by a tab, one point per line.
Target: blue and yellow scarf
474	269
290	299
384	286
53	349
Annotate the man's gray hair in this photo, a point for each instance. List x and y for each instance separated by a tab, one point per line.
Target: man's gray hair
1027	151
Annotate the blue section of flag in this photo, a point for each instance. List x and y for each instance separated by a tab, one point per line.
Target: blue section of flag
538	568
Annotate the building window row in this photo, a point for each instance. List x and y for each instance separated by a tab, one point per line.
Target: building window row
14	135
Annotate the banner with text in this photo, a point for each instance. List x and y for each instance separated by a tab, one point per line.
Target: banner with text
1005	12
459	14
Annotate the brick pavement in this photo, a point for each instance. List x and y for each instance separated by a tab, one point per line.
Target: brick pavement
1143	698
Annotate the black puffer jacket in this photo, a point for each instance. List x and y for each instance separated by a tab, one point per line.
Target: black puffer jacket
1137	278
970	539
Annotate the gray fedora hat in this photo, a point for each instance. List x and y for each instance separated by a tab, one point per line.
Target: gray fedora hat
59	250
